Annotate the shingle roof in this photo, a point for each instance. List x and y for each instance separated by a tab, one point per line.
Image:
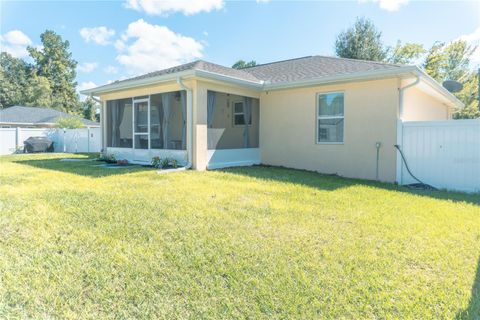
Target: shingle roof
202	66
304	68
34	115
313	67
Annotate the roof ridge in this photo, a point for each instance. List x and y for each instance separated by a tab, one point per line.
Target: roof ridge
264	64
361	60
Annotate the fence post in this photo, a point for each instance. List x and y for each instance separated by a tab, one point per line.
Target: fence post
17	138
64	144
88	139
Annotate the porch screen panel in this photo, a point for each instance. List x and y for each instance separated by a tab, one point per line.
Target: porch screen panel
156	118
119	123
168	120
233	121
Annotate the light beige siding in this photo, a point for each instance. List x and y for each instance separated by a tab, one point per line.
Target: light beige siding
288	130
419	106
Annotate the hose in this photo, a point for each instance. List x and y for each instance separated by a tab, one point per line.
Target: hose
420	183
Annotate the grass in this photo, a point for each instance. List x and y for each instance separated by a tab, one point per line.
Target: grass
78	241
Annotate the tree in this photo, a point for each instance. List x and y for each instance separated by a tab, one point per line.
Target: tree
452	62
90	107
55	63
21	85
448	61
361	41
13	79
69	123
469	96
241	64
38	92
408	53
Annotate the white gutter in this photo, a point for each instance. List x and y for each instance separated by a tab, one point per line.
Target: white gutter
258	85
401	93
189	121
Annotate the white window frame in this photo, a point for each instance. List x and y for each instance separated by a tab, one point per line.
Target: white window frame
318	117
240	113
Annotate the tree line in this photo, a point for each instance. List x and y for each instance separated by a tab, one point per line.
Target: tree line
442	61
48	81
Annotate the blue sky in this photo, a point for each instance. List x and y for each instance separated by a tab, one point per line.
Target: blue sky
116	39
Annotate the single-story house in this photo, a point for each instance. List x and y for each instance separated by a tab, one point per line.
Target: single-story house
35	117
316	113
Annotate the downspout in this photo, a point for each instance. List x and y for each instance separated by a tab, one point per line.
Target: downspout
189	121
399	169
95	99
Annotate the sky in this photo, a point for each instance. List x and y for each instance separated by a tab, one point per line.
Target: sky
114	40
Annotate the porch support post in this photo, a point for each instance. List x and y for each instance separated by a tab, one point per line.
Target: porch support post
200	145
103	125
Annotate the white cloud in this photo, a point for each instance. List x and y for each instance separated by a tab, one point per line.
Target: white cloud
165	7
15	42
87	67
146	47
110	70
474	40
389	5
263	1
119	45
205	33
98	35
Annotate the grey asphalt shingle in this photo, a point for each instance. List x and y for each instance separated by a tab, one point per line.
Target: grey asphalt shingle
34	115
313	67
199	65
298	69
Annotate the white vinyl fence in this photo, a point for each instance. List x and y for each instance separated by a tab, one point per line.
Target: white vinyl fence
65	140
444	154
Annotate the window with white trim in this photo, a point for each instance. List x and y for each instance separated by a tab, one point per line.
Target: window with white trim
330	117
239	114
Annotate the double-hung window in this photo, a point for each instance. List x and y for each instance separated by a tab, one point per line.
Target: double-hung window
239	114
330	117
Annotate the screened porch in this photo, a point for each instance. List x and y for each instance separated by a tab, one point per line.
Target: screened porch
233	130
140	128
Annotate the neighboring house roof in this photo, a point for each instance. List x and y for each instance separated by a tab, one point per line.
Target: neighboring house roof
305	71
36	116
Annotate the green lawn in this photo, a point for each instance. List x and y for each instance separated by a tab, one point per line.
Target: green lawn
79	241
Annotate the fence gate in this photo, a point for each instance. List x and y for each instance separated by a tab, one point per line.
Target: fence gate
444	154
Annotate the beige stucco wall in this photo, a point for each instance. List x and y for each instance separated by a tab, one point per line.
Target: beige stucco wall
419	106
288	130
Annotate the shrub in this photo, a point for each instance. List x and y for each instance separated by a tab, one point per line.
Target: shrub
164	163
69	123
108	158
